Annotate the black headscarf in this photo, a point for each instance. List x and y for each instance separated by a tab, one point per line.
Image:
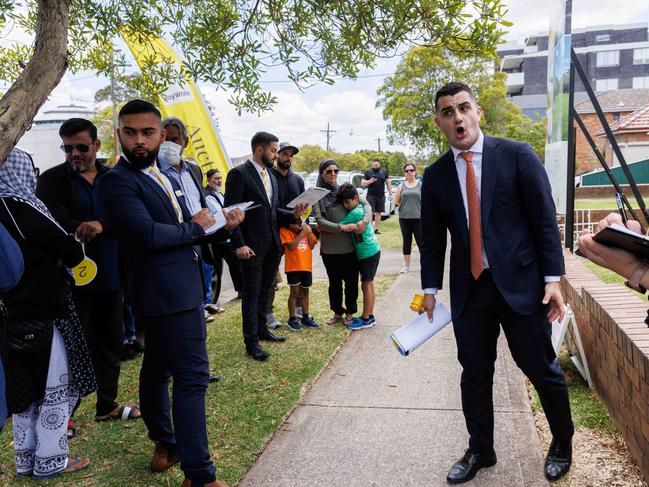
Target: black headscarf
330	199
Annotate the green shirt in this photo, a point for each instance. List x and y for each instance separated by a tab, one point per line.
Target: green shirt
368	245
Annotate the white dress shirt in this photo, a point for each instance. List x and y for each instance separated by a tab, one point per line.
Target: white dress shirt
270	185
460	166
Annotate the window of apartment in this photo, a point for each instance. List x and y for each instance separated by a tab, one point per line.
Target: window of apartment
640	82
608	58
606	84
641	56
602	37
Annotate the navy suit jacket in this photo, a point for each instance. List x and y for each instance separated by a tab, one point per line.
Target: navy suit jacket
163	267
518	222
260	228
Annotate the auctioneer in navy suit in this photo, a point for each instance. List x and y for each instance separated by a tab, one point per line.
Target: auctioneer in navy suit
522	245
166	293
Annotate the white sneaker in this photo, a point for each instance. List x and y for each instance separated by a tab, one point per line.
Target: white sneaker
404	269
208	317
272	322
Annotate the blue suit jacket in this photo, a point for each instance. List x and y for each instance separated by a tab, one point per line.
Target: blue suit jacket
163	267
518	222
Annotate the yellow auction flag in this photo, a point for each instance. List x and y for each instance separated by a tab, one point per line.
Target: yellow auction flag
185	102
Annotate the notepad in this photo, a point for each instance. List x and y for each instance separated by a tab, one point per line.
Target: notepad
625	239
219	218
412	335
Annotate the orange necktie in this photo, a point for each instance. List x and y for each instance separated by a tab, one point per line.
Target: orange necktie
475	234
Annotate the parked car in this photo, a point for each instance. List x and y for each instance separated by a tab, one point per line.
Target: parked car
355	178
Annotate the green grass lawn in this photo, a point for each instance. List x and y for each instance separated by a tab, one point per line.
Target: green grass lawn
390	236
596	204
243	410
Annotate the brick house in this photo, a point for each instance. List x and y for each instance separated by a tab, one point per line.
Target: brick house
632	135
617	106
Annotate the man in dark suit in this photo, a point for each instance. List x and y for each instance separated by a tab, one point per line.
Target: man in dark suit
257	241
158	235
494	197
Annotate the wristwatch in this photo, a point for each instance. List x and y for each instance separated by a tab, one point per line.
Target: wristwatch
636	276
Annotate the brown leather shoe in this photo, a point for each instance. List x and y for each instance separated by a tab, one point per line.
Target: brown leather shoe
163	458
216	483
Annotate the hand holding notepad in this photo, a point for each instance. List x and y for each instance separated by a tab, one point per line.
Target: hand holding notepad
410	336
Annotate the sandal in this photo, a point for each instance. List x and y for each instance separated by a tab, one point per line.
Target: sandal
123	412
72	430
74	465
333	320
348	319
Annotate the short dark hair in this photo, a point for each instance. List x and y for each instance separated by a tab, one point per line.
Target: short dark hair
377	160
262	138
346	191
73	126
211	173
453	88
134	107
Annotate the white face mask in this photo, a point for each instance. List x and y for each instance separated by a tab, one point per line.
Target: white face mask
170	153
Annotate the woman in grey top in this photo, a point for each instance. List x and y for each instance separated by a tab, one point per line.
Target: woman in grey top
408	200
336	245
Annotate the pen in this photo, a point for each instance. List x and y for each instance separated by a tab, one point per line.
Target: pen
620	207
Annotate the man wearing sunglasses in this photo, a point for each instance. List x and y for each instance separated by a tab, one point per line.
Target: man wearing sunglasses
70	192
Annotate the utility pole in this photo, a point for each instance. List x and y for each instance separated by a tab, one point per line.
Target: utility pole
113	100
379	141
328	132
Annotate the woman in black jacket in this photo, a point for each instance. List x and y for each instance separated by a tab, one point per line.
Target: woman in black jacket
46	358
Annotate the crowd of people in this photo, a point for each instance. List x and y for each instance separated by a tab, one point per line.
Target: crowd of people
143	244
104	250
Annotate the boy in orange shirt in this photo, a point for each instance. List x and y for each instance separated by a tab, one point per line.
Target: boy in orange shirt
298	241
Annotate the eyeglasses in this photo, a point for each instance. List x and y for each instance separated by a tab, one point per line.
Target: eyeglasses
332	171
67	148
409	170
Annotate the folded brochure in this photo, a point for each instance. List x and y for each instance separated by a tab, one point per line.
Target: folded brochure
412	335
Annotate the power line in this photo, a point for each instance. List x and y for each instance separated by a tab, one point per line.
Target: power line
328	132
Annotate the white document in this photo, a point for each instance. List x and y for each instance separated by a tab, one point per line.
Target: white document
219	218
410	336
310	197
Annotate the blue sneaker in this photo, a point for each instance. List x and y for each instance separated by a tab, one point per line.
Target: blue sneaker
372	319
360	323
294	324
308	321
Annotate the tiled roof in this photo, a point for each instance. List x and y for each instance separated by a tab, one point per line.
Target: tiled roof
617	101
633	122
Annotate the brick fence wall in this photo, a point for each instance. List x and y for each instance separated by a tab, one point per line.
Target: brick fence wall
611	324
609	192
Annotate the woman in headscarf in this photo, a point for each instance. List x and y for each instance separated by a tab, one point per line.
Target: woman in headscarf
336	245
47	364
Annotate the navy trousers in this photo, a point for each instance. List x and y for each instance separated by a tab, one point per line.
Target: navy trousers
175	347
476	333
257	274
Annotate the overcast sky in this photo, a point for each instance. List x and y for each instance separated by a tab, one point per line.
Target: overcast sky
349	106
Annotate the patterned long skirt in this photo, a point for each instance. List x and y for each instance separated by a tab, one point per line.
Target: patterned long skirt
40	432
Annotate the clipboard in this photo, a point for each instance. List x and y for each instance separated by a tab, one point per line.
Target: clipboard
625	239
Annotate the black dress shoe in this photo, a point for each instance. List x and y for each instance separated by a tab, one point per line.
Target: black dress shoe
559	459
466	467
269	337
256	352
214	378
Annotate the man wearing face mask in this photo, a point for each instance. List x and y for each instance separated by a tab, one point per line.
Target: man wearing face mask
187	180
289	186
257	241
159	237
70	192
221	250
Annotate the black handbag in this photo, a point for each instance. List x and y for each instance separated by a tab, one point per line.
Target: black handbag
28	335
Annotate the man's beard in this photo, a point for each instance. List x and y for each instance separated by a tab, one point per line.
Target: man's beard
215	187
79	167
267	162
141	162
286	165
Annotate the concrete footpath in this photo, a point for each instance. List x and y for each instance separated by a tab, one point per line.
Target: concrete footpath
375	418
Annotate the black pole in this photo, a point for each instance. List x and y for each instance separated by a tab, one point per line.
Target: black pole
603	163
609	134
570	175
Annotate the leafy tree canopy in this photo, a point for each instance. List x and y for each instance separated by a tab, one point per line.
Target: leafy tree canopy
408	100
310	156
229	44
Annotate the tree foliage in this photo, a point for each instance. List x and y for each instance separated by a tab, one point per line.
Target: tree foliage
229	44
408	100
310	156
